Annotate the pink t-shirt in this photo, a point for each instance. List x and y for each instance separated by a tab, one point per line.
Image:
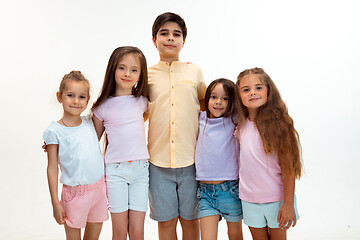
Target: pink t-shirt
260	177
123	120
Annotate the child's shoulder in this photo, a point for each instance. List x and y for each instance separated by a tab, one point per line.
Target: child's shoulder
51	133
86	118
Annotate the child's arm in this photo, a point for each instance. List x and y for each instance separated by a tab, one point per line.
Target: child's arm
146	116
202	105
287	216
99	126
146	113
52	174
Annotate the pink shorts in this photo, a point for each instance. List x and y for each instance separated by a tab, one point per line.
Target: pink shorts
85	203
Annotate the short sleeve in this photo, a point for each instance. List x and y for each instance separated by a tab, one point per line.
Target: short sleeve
144	103
201	88
99	112
50	137
202	115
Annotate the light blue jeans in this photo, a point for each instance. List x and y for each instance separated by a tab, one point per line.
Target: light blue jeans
127	186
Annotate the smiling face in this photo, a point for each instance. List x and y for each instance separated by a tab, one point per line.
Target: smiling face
74	97
253	93
127	74
218	101
169	41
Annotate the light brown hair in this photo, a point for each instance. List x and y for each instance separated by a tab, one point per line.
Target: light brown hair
109	85
276	127
75	76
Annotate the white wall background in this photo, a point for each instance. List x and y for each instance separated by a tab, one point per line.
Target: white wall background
310	48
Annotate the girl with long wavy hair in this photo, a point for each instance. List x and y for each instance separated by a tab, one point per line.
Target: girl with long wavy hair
270	157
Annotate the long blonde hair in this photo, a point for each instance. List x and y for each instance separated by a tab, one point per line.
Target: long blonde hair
276	127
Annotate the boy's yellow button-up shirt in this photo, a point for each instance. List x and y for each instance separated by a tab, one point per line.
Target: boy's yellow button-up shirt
175	91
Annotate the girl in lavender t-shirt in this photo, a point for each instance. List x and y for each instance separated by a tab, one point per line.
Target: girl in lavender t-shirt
216	161
119	111
269	158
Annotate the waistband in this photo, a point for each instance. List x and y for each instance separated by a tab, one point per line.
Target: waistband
81	188
140	161
224	186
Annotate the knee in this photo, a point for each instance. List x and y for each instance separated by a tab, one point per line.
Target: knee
189	224
120	232
136	233
171	224
235	234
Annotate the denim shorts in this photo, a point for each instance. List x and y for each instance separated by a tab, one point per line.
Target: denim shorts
172	193
259	215
220	199
127	185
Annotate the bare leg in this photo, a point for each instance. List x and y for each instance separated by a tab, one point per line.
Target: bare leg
92	231
235	230
119	225
209	227
190	229
72	233
277	234
136	225
260	233
167	230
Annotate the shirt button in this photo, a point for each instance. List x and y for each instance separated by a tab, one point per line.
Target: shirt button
172	104
172	123
172	87
172	141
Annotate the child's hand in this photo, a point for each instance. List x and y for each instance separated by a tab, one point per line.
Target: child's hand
44	147
59	214
236	133
286	216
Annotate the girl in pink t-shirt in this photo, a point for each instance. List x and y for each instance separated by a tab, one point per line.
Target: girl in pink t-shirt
270	158
119	111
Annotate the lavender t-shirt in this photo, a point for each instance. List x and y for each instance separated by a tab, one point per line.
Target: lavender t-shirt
217	151
260	177
123	120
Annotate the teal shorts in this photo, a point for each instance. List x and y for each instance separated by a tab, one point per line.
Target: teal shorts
259	215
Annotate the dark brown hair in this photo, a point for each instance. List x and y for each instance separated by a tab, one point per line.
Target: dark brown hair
168	17
276	127
109	85
231	91
75	76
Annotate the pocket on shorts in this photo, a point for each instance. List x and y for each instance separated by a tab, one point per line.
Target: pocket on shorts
68	195
234	191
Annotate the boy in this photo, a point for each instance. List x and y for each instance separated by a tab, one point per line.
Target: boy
177	90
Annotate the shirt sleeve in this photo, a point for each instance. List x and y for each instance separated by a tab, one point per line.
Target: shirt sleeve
99	113
144	103
201	88
50	137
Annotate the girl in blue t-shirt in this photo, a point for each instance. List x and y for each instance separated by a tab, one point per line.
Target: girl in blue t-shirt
216	160
72	143
119	111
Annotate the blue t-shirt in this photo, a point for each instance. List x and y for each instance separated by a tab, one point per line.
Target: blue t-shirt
80	157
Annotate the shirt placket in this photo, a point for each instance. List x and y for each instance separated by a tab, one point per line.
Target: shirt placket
172	118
